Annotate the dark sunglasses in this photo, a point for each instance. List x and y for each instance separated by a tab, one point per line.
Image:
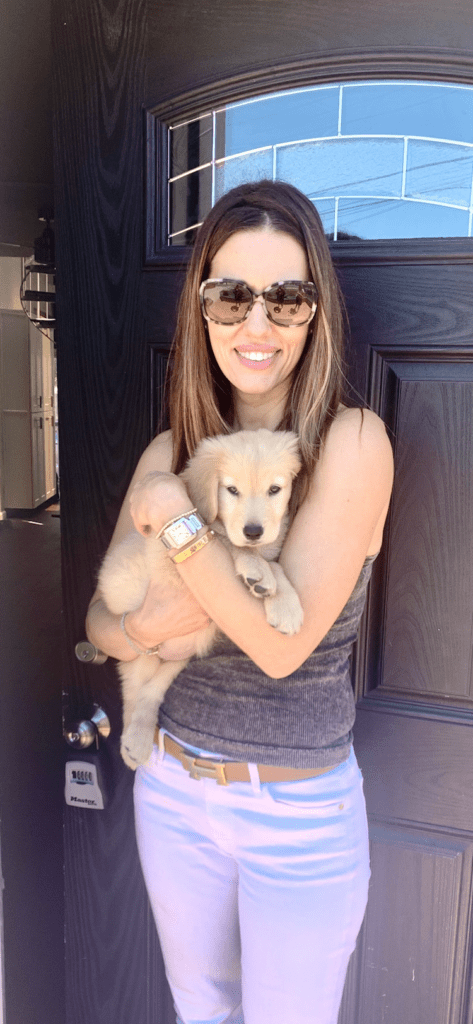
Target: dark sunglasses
287	303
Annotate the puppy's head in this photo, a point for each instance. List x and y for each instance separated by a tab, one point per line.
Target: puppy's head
245	481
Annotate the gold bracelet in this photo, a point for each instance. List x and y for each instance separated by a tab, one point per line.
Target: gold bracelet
192	548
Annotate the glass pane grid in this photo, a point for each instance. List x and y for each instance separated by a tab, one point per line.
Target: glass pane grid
373	175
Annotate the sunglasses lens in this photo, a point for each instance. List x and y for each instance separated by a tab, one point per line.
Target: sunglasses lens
226	302
291	302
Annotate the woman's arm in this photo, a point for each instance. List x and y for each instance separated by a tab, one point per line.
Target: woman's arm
339	523
166	615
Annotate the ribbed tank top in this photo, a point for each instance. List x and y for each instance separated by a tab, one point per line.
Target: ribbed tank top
225	704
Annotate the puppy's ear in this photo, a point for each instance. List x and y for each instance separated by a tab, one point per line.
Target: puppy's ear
292	451
201	477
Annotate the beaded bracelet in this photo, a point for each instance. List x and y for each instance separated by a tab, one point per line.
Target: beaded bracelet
132	644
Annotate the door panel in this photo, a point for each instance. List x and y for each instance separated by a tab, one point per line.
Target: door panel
411	773
426	983
428	614
426	646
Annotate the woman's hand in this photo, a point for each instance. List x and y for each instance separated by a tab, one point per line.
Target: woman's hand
167	616
156	499
170	617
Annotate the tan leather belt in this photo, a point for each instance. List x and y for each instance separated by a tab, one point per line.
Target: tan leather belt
233	771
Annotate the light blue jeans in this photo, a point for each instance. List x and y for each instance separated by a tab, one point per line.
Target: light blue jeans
258	890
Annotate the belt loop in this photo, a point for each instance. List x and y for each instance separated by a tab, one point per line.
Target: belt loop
161	745
254	776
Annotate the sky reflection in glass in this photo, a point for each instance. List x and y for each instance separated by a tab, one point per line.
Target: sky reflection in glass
238	169
393	218
343	167
440	171
406	109
307	114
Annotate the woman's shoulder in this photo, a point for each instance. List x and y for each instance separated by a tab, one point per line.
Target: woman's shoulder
357	443
157	457
358	426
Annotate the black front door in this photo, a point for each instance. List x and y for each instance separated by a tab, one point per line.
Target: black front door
412	323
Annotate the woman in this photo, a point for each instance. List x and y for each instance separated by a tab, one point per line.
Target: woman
258	886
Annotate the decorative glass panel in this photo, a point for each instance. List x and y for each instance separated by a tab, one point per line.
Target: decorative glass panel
378	159
284	117
393	218
440	171
407	108
343	167
326	209
191	144
190	200
237	169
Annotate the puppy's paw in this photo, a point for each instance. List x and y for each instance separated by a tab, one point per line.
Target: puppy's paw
256	587
256	574
129	761
284	612
136	745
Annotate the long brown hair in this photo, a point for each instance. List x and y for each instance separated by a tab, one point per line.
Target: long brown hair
200	399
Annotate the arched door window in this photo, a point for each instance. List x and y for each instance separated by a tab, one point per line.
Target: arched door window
379	159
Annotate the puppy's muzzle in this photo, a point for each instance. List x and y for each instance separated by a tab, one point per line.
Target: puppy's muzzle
253	531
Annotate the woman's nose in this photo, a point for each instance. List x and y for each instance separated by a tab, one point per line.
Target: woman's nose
257	321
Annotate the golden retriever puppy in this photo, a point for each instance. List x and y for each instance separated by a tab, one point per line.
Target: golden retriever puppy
241	485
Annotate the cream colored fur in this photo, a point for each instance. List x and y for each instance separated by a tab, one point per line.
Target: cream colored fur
252	462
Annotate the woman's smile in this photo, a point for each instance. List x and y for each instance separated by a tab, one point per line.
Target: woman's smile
257	358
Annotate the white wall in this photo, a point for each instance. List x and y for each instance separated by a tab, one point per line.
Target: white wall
11	269
10	280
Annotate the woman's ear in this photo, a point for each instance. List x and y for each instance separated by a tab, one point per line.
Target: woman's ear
201	477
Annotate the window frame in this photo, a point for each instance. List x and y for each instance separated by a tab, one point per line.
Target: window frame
418	66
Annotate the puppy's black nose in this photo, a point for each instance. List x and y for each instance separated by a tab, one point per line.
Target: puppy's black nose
253	531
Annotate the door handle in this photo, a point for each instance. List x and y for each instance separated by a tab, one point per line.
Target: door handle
87	652
86	732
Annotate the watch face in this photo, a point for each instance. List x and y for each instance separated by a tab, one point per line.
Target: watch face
180	532
183	530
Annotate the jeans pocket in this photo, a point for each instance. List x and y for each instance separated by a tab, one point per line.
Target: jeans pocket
318	791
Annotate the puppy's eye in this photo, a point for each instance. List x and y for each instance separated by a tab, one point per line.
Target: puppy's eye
232	490
274	489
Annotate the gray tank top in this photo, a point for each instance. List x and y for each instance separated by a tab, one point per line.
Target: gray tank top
225	704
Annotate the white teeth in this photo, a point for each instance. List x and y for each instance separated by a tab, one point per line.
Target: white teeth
256	357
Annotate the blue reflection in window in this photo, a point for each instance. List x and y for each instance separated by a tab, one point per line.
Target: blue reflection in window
343	166
390	108
251	167
388	218
440	171
308	114
326	210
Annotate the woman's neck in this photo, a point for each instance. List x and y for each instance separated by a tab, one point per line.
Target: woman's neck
255	411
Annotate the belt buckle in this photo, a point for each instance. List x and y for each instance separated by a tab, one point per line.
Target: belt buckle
197	771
